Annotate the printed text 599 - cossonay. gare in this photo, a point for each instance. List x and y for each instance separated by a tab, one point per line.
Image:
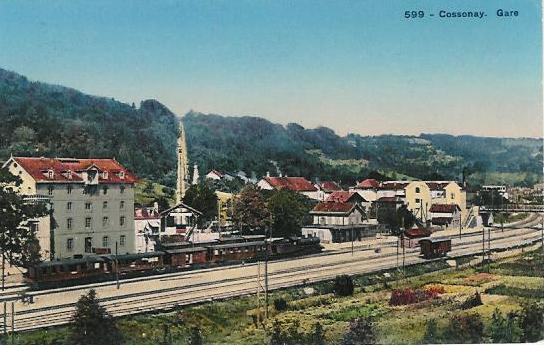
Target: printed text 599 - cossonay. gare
459	14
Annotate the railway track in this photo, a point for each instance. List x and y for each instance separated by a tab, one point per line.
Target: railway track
169	298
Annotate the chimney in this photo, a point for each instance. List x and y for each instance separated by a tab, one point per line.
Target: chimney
156	206
268	174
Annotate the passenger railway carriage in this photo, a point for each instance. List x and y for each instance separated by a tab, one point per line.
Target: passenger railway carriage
169	257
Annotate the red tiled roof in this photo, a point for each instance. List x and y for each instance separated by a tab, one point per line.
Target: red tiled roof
296	184
444	208
62	167
343	196
369	183
333	207
330	186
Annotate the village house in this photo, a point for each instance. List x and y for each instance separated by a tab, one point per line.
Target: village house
218	175
368	189
415	195
179	220
147	225
448	192
92	203
351	197
295	184
326	188
445	215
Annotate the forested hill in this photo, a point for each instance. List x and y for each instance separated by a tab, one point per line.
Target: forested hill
39	119
255	144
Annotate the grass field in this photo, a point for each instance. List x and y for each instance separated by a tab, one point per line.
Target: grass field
507	286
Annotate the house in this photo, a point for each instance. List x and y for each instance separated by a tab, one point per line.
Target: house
446	215
147	225
415	195
335	222
179	220
218	175
325	189
92	199
351	197
368	189
448	192
295	184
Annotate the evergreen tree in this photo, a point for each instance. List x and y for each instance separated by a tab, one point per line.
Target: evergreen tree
92	324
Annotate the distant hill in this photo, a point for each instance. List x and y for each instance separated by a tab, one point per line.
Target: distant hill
40	119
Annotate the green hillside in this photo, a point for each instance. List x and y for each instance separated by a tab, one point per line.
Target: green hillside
40	119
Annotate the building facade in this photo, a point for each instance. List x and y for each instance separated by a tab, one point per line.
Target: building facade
92	203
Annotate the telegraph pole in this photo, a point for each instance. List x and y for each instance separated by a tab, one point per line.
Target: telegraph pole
12	323
351	241
116	265
5	323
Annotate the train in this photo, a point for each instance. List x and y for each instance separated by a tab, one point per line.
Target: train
167	257
431	248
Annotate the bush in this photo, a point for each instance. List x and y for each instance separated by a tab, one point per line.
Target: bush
473	301
410	296
280	304
361	332
431	333
343	285
504	330
465	329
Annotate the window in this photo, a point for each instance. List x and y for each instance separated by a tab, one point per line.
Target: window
105	221
105	204
122	240
69	205
452	195
105	189
121	204
105	241
69	222
418	201
88	205
50	174
122	189
88	222
122	220
69	189
121	174
50	190
105	175
417	189
70	244
88	244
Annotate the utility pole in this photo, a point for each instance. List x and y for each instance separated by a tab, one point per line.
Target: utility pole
12	323
483	245
351	241
488	248
116	265
258	285
403	254
5	323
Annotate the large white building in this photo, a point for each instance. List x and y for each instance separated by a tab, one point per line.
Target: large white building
92	204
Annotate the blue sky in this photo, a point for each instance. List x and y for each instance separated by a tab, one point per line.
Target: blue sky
354	66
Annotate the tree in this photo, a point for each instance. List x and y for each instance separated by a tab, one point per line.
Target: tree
250	209
288	210
92	324
18	239
343	285
360	332
532	322
505	330
202	197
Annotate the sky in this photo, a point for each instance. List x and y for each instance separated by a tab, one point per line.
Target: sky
354	66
